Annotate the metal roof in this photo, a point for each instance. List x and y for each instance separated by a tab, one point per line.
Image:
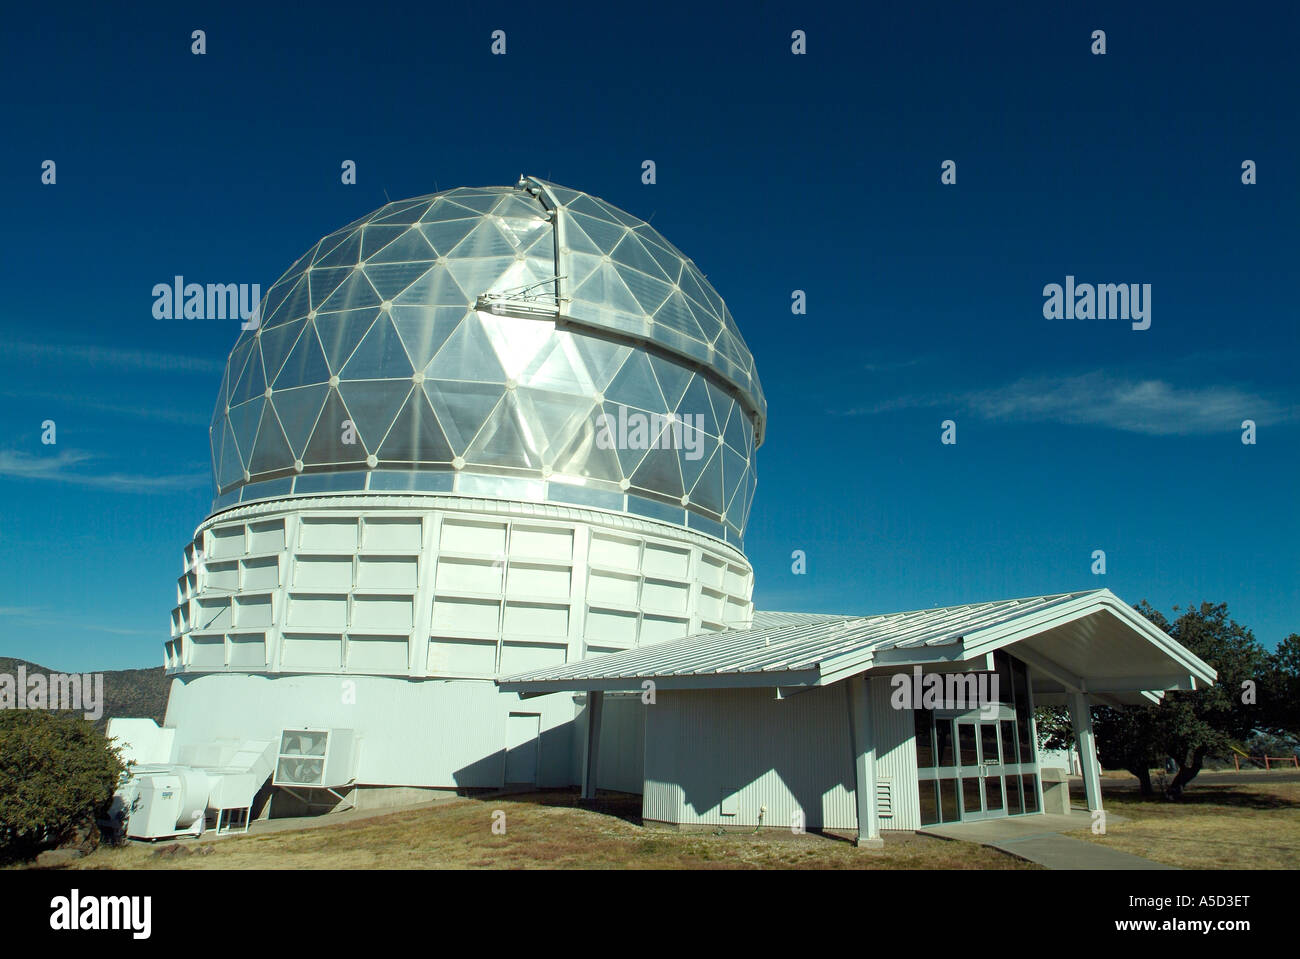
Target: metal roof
764	619
813	649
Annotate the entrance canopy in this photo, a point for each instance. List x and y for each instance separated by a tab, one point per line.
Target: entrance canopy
1090	643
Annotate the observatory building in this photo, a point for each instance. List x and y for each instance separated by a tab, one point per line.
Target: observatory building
482	478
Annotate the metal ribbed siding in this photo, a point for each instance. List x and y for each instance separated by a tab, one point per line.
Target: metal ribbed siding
895	756
622	743
785	754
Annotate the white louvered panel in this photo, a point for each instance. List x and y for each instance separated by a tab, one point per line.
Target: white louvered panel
884	799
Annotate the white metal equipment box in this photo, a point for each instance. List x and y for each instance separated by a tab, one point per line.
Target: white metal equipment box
315	758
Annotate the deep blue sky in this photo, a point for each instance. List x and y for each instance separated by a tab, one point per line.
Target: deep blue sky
775	172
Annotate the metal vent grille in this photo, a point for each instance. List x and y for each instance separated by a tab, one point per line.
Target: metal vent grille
885	799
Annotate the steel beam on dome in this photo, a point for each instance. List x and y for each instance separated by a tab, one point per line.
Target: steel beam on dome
548	199
748	401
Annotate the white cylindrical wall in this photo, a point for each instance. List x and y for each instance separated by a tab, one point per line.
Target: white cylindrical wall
429	733
392	615
442	587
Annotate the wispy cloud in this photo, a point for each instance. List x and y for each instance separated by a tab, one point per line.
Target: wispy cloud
62	467
115	358
42	617
162	412
1149	406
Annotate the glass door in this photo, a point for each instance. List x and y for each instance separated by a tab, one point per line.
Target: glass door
978	764
982	770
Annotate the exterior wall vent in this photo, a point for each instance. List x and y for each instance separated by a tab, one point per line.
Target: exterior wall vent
884	798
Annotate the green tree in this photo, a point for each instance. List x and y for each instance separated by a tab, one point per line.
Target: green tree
1196	724
1129	738
1279	690
1189	725
57	773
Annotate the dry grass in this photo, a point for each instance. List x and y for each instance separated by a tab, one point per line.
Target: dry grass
546	831
1225	821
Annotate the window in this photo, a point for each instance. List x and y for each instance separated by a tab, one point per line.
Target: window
1013	795
1008	741
1002	665
993	793
989	743
929	801
924	724
948	800
1026	742
943	729
969	753
1030	791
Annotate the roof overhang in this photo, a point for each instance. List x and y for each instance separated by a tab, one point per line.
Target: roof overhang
1091	643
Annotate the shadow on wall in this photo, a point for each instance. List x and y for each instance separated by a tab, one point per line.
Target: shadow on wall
553	765
488	772
560	750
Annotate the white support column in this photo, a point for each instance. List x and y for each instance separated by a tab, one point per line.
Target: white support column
578	573
591	749
1081	719
427	575
280	607
863	744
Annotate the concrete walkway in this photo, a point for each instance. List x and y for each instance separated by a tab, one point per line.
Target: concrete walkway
1038	838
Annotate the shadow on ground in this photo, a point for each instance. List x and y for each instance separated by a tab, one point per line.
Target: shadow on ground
624	806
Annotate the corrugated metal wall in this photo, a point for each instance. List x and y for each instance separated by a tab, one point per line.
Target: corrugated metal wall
895	757
752	750
622	742
748	749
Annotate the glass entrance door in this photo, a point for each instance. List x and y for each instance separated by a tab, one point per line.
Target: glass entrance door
972	768
981	763
982	771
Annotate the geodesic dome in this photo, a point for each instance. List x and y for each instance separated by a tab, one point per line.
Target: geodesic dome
468	341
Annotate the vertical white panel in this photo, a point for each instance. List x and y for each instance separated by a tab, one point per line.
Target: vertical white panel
248	650
329	532
895	756
622	743
227	541
266	537
392	533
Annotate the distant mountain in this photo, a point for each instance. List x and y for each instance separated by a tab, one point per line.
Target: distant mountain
127	692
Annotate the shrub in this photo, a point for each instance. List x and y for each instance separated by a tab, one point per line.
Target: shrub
57	776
